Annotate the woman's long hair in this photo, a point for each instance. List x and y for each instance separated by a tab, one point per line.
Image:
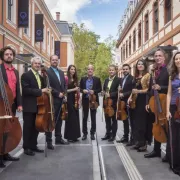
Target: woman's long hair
145	68
172	68
74	76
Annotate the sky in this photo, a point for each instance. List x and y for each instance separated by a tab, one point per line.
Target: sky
99	16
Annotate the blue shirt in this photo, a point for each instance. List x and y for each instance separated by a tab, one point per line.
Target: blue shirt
89	84
57	73
175	93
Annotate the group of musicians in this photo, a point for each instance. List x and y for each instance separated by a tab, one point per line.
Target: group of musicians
137	92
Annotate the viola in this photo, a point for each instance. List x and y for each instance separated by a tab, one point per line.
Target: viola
64	109
157	104
92	100
77	99
108	102
121	107
45	121
10	128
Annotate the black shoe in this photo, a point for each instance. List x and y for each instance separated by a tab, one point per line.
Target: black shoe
61	141
152	154
92	137
2	165
123	140
164	159
37	150
111	139
130	143
8	157
84	137
136	147
106	137
142	148
50	146
29	152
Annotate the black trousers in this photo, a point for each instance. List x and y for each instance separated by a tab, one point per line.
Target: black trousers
57	114
85	104
111	125
126	128
30	133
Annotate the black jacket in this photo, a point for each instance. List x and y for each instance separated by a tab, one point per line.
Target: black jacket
56	85
128	86
30	91
113	90
96	87
18	99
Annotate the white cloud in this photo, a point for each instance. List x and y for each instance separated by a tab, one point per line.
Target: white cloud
88	24
67	8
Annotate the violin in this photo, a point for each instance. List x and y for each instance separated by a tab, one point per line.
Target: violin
10	128
121	106
45	121
92	100
157	104
64	109
77	99
108	102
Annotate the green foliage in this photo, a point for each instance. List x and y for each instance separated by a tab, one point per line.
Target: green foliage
89	51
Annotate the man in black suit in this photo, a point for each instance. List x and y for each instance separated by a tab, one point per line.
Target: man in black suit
110	88
126	84
32	87
162	80
89	85
10	77
58	85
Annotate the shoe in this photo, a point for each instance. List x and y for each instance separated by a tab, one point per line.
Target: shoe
37	150
142	148
61	141
130	143
136	147
29	152
152	154
8	157
2	165
84	137
123	140
50	146
111	139
92	137
106	137
164	159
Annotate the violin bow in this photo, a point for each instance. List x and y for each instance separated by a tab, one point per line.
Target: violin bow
171	145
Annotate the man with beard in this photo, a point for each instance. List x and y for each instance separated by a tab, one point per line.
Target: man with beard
10	77
126	88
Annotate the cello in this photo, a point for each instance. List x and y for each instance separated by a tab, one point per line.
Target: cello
121	106
45	117
10	128
157	104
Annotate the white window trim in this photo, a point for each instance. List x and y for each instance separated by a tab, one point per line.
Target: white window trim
14	15
44	40
48	45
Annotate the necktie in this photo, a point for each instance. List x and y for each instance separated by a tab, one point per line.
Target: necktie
38	80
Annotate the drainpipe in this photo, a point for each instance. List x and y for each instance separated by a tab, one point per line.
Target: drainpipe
3	43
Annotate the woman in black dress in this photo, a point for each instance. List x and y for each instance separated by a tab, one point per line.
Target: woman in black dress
173	144
139	114
72	125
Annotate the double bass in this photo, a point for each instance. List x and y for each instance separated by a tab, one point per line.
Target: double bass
157	104
45	121
121	106
10	128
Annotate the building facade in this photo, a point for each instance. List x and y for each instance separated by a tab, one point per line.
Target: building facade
147	24
23	39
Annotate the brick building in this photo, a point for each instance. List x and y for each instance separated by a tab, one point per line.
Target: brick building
147	24
23	39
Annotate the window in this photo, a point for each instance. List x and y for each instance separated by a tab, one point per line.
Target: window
48	41
44	39
11	10
156	17
121	54
134	40
124	52
126	49
129	45
139	35
167	10
146	21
